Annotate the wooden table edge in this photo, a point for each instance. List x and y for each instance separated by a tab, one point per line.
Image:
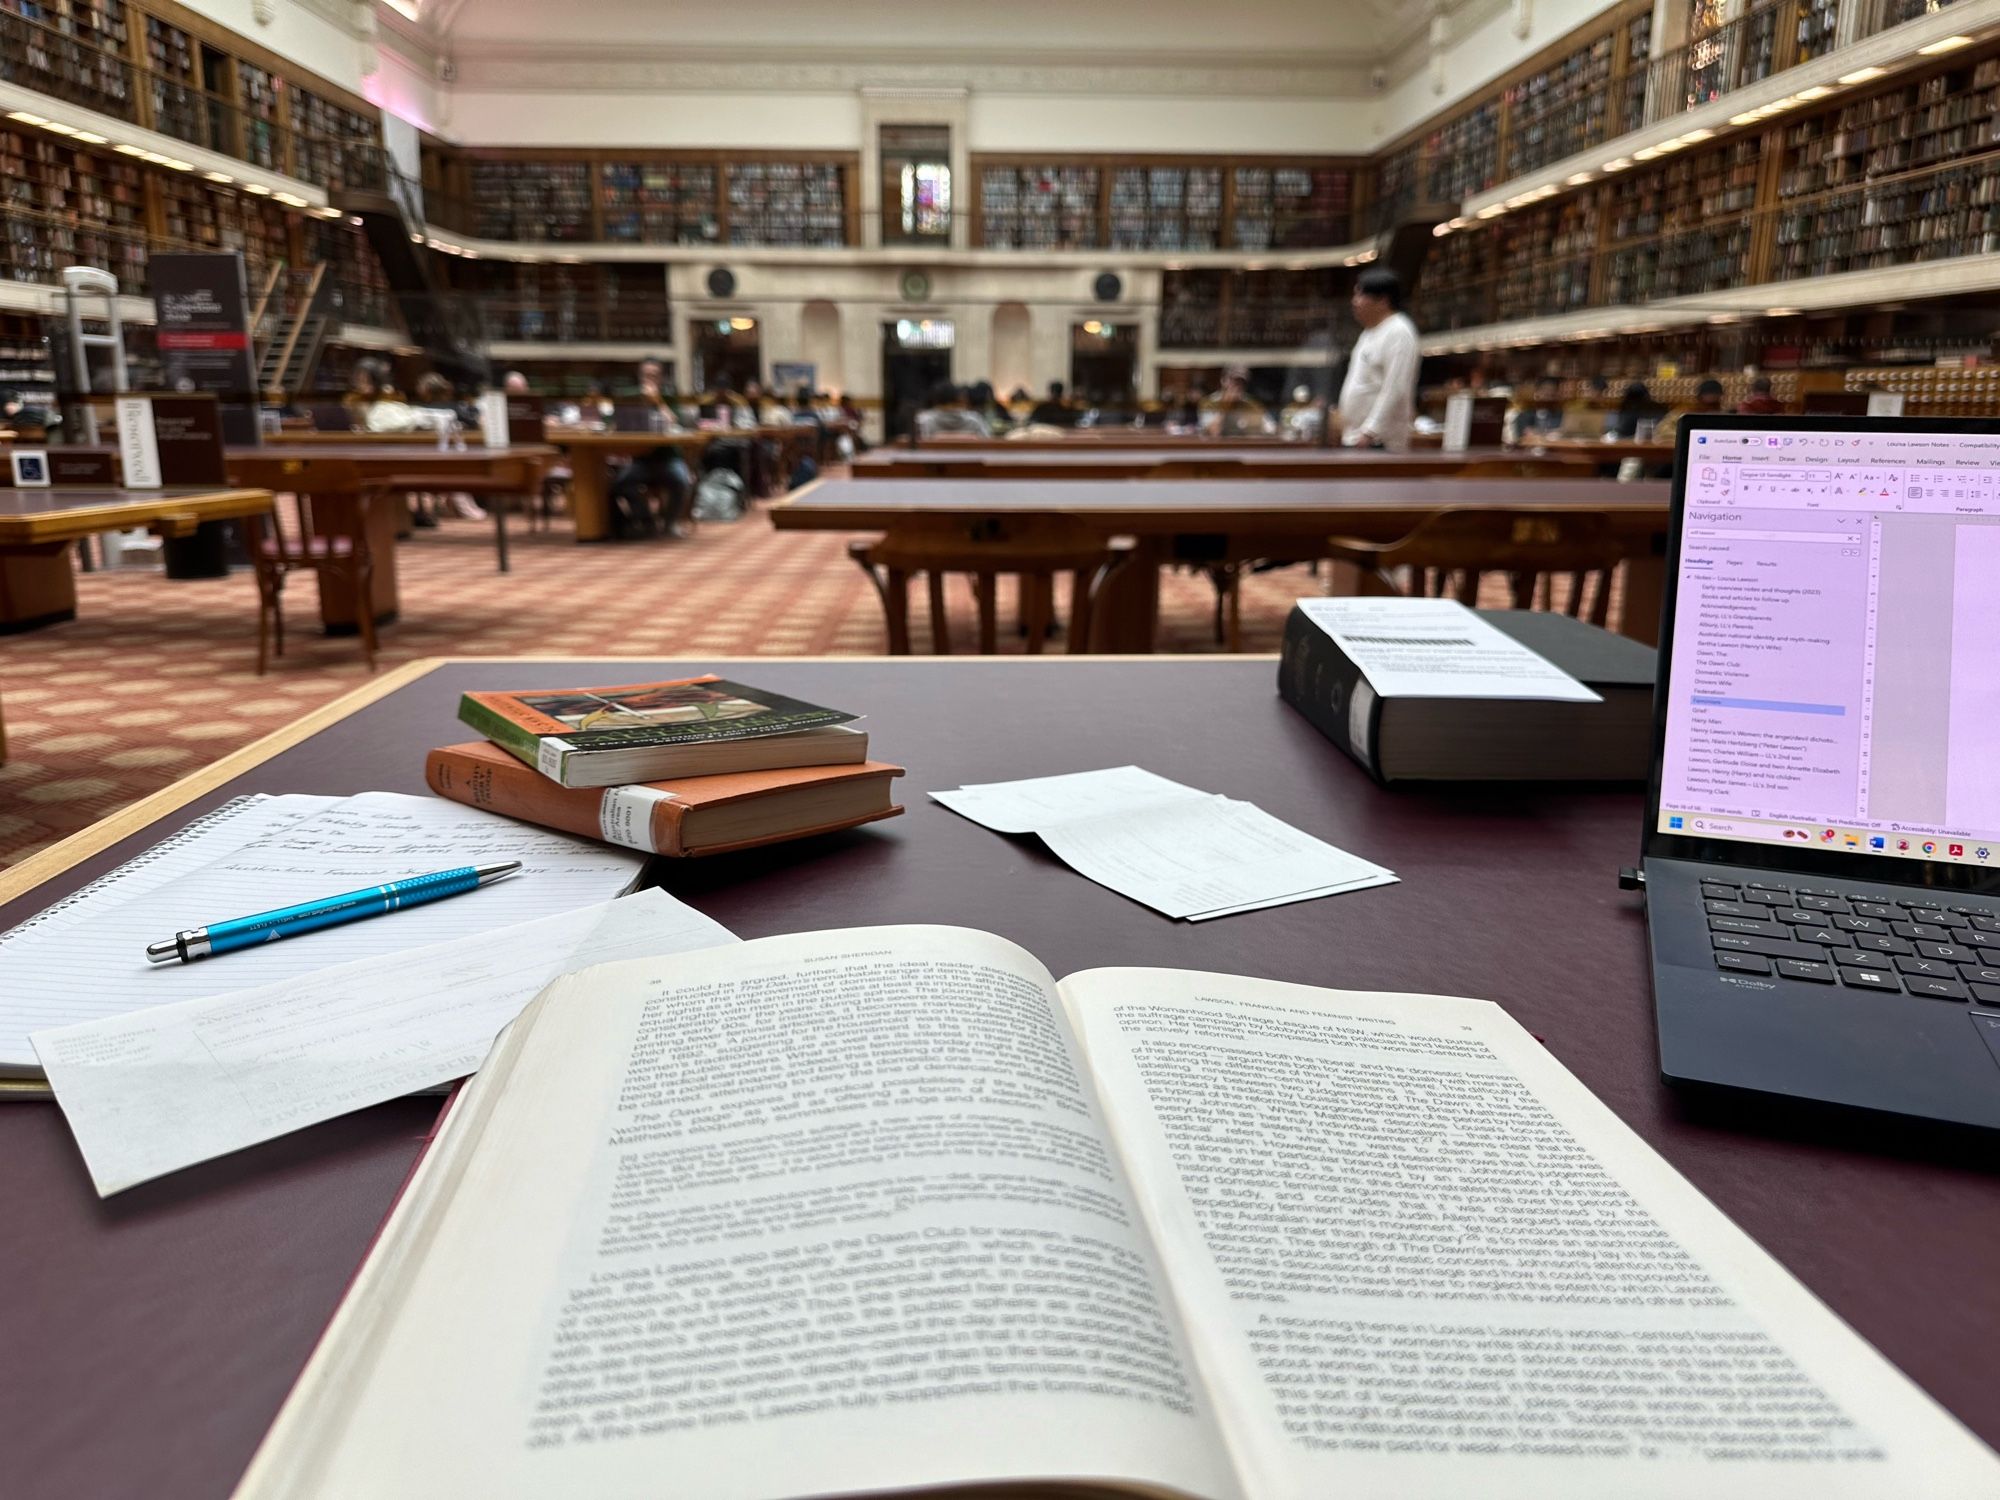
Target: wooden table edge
20	879
88	520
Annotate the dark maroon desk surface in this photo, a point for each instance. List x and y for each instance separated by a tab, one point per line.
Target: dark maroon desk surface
149	1340
1173	505
1117	455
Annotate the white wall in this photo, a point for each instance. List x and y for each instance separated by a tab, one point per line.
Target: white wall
833	122
296	32
1475	55
1121	122
694	120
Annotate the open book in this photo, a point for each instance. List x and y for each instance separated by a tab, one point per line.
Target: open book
884	1208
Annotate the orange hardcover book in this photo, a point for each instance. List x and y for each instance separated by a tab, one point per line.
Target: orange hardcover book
691	816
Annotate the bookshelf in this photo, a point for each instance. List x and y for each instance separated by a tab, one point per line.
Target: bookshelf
174	82
786	203
361	289
1049	207
1166	208
1215	309
1560	109
1932	392
74	49
659	202
326	137
261	97
1163	204
26	366
1464	155
531	201
66	205
1456	290
1544	259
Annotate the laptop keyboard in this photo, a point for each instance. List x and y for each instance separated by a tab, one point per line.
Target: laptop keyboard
1820	934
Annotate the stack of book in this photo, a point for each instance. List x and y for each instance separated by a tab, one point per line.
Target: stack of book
690	767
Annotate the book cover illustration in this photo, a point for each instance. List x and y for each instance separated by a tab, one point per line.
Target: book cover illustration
692	710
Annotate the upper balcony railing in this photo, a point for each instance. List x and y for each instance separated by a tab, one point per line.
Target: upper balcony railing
1766	40
50	62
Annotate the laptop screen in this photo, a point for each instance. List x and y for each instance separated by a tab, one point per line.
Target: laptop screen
1834	678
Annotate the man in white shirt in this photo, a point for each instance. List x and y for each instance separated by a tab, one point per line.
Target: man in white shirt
1378	400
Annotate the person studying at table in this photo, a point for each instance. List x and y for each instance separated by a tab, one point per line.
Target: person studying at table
1231	411
661	471
1378	400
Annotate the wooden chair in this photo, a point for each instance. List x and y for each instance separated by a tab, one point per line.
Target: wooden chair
503	482
332	543
1448	552
890	563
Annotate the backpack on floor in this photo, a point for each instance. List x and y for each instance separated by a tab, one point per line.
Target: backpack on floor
805	471
719	496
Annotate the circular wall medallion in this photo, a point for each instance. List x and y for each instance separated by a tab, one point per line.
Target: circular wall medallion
916	286
721	282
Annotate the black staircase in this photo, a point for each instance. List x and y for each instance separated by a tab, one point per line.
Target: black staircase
446	327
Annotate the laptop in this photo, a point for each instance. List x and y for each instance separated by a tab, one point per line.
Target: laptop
1822	845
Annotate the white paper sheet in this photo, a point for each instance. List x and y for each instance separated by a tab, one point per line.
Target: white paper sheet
1437	648
1213	856
96	966
153	1091
1172	847
1040	801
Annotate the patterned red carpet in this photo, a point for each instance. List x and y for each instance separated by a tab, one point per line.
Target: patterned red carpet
91	727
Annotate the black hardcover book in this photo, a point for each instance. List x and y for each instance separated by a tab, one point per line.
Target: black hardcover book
1484	739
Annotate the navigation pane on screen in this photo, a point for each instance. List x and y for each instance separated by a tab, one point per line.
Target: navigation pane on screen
1836	652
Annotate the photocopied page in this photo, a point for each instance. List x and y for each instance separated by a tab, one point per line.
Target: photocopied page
815	1214
1437	648
1174	848
156	1090
1418	1260
1208	857
97	966
1038	802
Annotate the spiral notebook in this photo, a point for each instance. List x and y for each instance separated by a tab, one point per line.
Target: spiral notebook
84	957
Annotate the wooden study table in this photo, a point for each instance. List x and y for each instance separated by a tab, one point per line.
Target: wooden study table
155	1334
1082	438
37	586
590	450
1121	461
1293	515
1597	450
276	466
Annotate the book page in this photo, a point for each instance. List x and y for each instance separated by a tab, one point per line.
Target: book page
1418	1260
814	1214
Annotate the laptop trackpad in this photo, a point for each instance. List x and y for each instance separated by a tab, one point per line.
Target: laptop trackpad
1987	1024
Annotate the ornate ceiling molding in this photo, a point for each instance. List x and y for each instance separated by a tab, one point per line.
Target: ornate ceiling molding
532	69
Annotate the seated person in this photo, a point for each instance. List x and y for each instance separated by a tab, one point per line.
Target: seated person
1231	412
660	472
1540	416
1588	416
1054	411
946	411
1760	402
1707	401
1636	410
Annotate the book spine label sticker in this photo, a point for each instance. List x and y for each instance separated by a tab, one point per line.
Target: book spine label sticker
549	758
625	816
1360	708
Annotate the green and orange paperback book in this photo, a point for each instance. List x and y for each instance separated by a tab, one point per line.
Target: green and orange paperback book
652	731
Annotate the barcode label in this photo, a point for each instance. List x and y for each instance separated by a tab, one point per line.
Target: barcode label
1409	640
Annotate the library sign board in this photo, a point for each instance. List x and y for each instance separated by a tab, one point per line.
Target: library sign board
202	303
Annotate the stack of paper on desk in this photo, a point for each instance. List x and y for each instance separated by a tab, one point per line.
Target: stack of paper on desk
155	1090
86	958
1171	847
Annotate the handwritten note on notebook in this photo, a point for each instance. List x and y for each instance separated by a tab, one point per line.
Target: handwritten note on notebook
95	965
157	1090
1170	846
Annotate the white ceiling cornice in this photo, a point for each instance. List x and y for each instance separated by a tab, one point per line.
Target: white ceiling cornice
514	68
